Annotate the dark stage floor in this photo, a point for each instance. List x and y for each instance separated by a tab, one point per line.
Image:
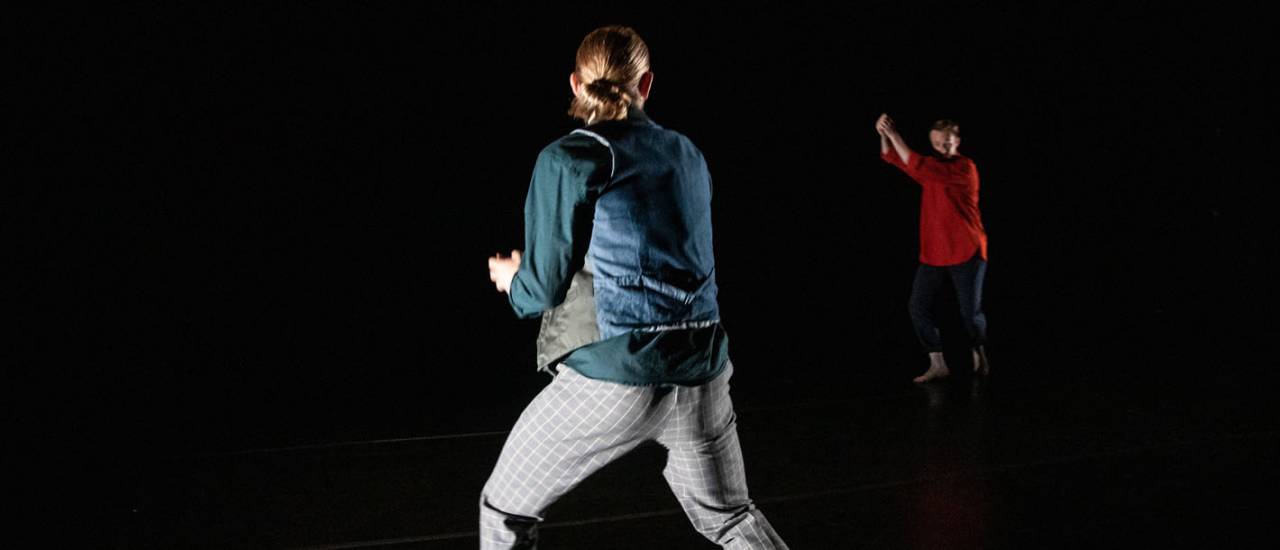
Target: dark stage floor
1054	450
254	243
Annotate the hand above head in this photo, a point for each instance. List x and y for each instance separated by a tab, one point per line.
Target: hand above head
890	140
884	125
503	269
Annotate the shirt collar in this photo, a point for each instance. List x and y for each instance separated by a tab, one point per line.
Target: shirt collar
635	116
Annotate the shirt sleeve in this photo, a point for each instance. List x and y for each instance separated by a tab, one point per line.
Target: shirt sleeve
971	174
923	169
912	167
557	219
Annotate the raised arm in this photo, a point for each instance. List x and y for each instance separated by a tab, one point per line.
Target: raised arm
891	139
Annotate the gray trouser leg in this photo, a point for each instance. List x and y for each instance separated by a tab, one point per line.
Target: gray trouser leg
574	427
705	468
577	425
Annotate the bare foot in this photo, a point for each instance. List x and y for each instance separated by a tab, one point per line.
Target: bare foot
937	369
980	364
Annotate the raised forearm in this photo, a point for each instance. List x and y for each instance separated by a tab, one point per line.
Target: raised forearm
890	139
899	146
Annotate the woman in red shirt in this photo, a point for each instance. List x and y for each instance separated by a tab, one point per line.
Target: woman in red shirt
953	243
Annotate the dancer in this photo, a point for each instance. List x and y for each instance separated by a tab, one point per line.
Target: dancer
953	243
630	201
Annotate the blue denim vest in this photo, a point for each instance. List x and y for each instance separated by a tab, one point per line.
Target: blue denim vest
651	233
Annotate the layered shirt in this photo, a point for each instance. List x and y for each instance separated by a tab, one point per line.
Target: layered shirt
623	206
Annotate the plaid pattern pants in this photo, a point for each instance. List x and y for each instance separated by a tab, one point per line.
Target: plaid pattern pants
576	425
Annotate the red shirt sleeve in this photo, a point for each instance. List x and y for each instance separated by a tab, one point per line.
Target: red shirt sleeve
913	167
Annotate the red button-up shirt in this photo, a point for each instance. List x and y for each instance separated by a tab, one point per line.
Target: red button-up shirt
950	224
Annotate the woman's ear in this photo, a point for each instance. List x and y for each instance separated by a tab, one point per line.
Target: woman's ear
646	84
574	83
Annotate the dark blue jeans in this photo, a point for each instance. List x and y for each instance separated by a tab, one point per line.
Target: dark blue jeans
967	280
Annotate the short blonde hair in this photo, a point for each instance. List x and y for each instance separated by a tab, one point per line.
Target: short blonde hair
609	65
947	125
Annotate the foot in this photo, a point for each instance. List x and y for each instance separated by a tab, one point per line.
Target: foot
981	366
937	369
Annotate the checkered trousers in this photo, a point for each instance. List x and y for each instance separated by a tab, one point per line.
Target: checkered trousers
576	425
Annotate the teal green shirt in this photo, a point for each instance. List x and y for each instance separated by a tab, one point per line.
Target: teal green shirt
568	176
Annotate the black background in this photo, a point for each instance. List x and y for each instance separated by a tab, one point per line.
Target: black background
267	227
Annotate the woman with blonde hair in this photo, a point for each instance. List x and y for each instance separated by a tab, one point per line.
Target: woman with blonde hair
629	201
